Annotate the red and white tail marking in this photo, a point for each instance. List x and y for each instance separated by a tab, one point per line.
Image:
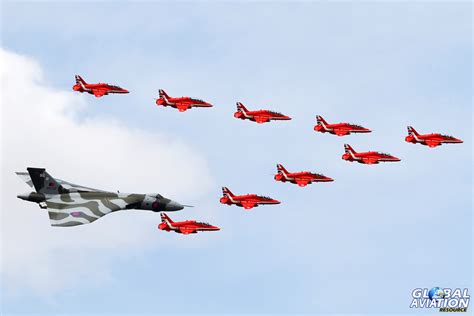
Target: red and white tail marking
321	121
349	150
165	219
164	95
227	193
81	82
413	132
282	171
241	108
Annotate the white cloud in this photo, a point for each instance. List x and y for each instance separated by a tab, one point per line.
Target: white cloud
44	127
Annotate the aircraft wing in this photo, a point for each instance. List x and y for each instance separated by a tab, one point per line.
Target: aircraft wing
248	204
370	161
433	143
187	231
77	188
261	119
341	132
25	176
81	208
302	182
99	92
182	108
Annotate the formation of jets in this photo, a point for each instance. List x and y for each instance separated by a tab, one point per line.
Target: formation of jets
69	204
183	104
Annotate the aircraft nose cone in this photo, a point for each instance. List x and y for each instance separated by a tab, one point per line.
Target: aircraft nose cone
172	206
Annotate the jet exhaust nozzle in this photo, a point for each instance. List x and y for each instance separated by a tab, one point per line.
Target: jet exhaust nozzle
32	197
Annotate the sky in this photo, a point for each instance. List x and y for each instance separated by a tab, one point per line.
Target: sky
360	244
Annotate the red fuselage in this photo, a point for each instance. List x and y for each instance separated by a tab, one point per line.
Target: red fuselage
182	103
369	157
261	116
98	89
340	129
432	140
301	178
187	227
247	201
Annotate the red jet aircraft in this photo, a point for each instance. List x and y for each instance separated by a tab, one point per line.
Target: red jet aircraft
247	201
300	178
181	103
259	116
369	158
430	140
339	129
186	227
97	89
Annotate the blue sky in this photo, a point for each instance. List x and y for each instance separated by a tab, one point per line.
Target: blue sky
359	244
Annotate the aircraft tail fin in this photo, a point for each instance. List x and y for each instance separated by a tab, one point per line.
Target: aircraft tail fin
163	94
320	120
412	131
281	169
165	219
241	107
44	182
80	81
227	192
348	149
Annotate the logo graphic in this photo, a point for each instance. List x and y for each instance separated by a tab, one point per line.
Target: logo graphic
445	299
436	293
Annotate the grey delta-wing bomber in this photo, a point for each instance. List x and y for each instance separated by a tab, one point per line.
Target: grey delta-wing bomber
69	204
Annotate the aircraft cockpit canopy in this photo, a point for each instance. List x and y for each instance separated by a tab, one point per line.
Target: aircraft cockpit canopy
156	195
